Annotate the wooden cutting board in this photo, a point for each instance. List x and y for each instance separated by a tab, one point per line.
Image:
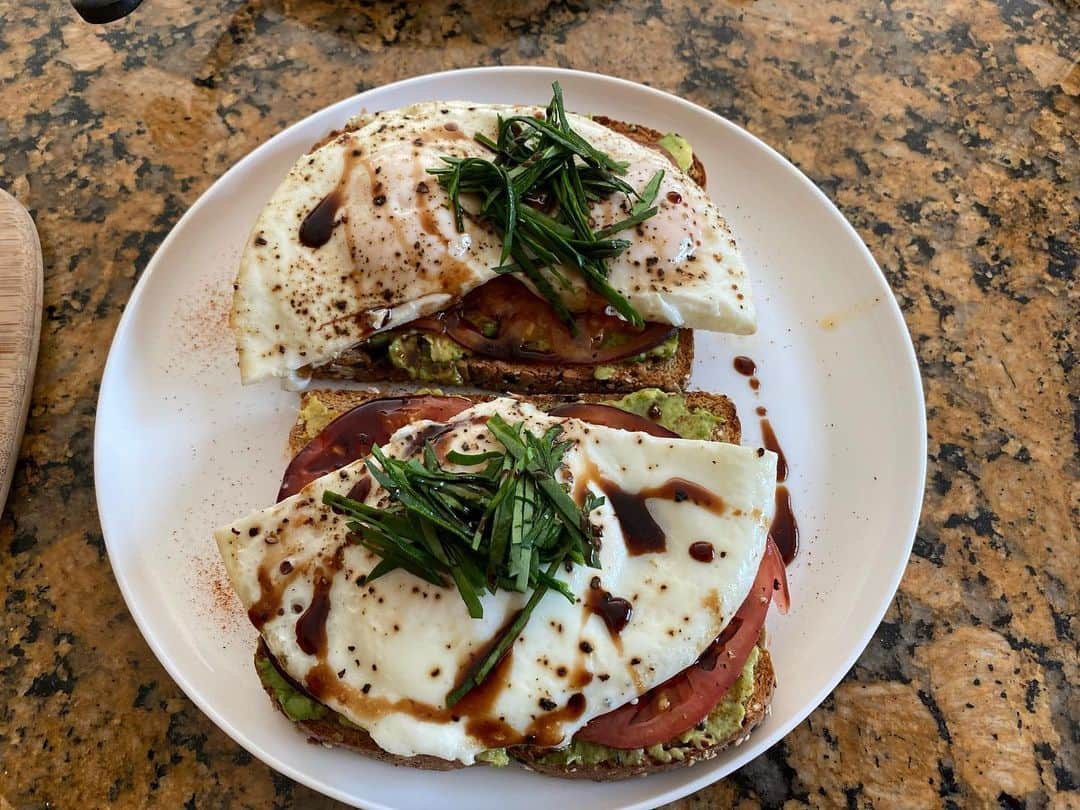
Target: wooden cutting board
20	325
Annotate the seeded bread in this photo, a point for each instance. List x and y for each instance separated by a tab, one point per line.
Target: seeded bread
669	374
335	402
328	731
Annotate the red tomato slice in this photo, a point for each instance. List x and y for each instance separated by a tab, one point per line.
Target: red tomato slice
683	701
351	435
527	328
610	416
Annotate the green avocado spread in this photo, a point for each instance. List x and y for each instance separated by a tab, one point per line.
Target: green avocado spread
661	351
670	411
315	416
434	358
296	705
428	358
679	148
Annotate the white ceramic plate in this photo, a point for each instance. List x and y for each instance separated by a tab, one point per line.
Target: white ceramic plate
181	447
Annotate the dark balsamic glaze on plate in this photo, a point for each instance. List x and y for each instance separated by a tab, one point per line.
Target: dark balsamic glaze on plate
785	529
745	366
768	435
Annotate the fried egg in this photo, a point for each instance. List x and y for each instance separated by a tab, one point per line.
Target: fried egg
385	654
359	238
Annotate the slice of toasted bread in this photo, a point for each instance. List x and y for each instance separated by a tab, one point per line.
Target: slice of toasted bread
669	374
334	402
319	407
330	732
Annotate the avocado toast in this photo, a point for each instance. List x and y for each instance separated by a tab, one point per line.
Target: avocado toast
499	246
695	415
406	354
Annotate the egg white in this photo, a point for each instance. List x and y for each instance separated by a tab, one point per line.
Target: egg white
395	254
400	640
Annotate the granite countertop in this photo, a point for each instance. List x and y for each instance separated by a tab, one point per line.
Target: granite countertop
947	131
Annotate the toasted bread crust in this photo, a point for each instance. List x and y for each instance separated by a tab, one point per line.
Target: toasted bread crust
325	731
649	137
670	374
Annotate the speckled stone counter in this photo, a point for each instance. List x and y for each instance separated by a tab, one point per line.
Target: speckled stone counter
946	130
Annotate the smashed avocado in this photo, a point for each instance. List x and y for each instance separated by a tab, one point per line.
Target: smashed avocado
674	414
679	148
296	705
661	351
315	416
723	721
494	756
428	358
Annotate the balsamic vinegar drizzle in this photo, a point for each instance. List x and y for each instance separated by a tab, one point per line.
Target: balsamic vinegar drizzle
614	610
784	529
768	435
702	551
311	626
745	366
641	532
318	226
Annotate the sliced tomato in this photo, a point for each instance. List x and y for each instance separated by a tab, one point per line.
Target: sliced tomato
505	320
683	701
610	416
352	434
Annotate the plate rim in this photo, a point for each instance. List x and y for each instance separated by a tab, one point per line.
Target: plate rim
692	784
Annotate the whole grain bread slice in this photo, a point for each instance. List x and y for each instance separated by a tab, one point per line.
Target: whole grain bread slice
330	732
651	138
670	374
332	402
